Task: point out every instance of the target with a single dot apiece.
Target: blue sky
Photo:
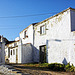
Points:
(11, 27)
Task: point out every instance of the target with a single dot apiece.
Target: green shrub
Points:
(61, 67)
(44, 65)
(69, 67)
(56, 67)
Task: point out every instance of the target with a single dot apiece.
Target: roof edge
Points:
(10, 42)
(28, 27)
(55, 15)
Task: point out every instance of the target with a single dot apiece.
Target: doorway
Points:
(43, 54)
(16, 55)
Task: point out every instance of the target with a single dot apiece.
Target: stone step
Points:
(9, 70)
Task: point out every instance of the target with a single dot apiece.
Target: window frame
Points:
(13, 51)
(25, 33)
(41, 30)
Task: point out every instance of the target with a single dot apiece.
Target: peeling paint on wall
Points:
(60, 18)
(47, 22)
(56, 20)
(35, 28)
(51, 25)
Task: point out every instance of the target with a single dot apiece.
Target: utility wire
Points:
(29, 15)
(25, 16)
(9, 28)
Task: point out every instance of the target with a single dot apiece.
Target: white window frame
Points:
(43, 29)
(13, 51)
(25, 33)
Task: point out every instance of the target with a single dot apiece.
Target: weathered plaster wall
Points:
(59, 47)
(11, 47)
(29, 39)
(20, 52)
(6, 52)
(72, 51)
(58, 32)
(27, 53)
(59, 40)
(24, 53)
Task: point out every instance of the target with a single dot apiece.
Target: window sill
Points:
(42, 34)
(25, 38)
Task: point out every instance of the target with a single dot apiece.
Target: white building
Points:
(52, 40)
(27, 35)
(55, 38)
(21, 50)
(2, 51)
(11, 50)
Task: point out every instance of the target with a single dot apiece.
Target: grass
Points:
(53, 66)
(37, 65)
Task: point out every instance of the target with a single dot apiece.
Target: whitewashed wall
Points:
(59, 38)
(29, 34)
(27, 53)
(6, 52)
(11, 46)
(20, 52)
(72, 51)
(26, 48)
(24, 53)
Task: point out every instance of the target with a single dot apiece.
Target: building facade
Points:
(11, 50)
(16, 52)
(52, 40)
(55, 38)
(21, 50)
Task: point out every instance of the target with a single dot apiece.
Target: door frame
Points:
(16, 55)
(44, 61)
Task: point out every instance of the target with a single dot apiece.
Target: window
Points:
(25, 33)
(43, 29)
(8, 52)
(15, 44)
(16, 51)
(13, 52)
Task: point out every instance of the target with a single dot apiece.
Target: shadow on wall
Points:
(35, 54)
(64, 61)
